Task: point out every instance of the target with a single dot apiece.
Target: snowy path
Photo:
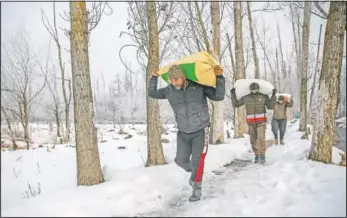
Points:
(211, 189)
(287, 185)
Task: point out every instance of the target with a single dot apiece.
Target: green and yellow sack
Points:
(198, 67)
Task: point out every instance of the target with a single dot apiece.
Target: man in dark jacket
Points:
(255, 103)
(189, 103)
(279, 118)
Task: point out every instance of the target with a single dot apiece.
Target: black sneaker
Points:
(196, 195)
(262, 159)
(257, 158)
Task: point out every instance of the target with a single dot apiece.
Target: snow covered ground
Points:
(288, 185)
(341, 122)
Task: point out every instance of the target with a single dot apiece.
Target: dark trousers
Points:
(280, 125)
(191, 152)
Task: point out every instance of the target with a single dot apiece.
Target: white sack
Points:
(289, 96)
(242, 87)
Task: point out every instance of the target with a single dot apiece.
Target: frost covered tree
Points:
(87, 153)
(329, 84)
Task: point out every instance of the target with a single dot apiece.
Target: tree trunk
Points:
(56, 112)
(231, 54)
(283, 67)
(305, 54)
(254, 48)
(233, 70)
(203, 29)
(87, 153)
(315, 74)
(240, 113)
(26, 123)
(329, 83)
(278, 73)
(217, 121)
(57, 120)
(155, 154)
(62, 72)
(192, 25)
(264, 52)
(9, 125)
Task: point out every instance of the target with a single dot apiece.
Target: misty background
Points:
(110, 78)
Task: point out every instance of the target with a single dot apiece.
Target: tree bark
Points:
(9, 126)
(191, 15)
(231, 54)
(254, 48)
(87, 153)
(26, 122)
(278, 73)
(155, 154)
(315, 73)
(217, 121)
(329, 83)
(233, 69)
(305, 54)
(67, 100)
(203, 29)
(240, 113)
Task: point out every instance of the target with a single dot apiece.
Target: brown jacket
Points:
(256, 105)
(280, 110)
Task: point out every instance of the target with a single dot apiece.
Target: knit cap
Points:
(175, 71)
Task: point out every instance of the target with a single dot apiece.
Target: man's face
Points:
(178, 82)
(281, 102)
(254, 91)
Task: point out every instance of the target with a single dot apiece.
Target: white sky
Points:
(105, 41)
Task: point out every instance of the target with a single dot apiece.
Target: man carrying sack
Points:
(189, 103)
(255, 103)
(279, 118)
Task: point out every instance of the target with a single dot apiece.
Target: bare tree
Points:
(305, 47)
(281, 71)
(217, 118)
(317, 10)
(254, 48)
(55, 107)
(231, 54)
(94, 15)
(53, 31)
(138, 29)
(278, 72)
(233, 71)
(263, 45)
(203, 28)
(17, 75)
(329, 84)
(315, 74)
(9, 126)
(155, 154)
(240, 113)
(87, 153)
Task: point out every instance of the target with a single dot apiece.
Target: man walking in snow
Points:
(279, 118)
(189, 103)
(255, 103)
